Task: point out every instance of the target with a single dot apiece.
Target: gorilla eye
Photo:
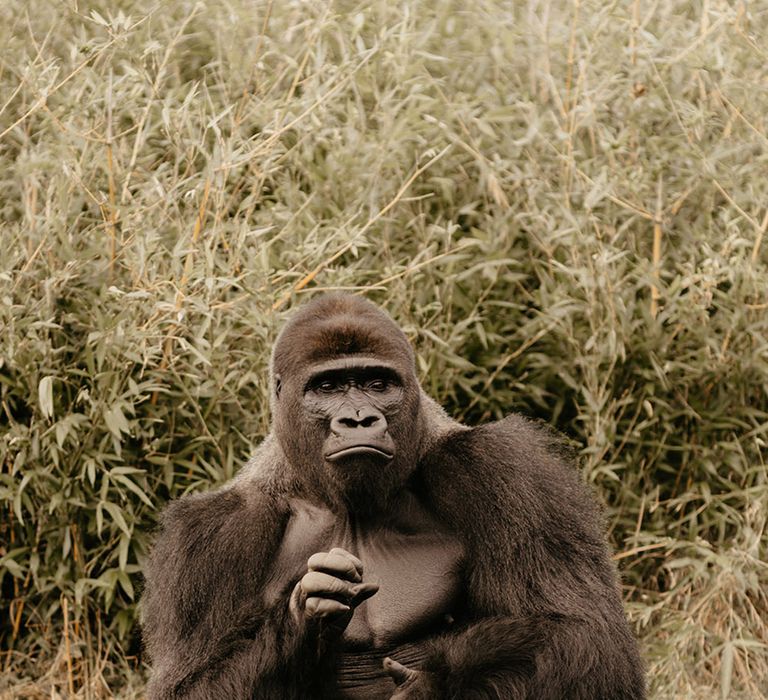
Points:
(326, 387)
(377, 385)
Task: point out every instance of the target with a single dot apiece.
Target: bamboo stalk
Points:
(570, 105)
(67, 647)
(111, 217)
(657, 235)
(634, 26)
(759, 238)
(571, 57)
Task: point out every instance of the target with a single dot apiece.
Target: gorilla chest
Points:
(417, 564)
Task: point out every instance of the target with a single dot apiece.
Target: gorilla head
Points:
(346, 402)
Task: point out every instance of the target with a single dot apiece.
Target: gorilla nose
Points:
(357, 433)
(359, 423)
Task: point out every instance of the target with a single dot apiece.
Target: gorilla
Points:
(375, 548)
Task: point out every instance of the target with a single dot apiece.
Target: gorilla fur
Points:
(541, 618)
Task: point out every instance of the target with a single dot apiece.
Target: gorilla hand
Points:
(331, 589)
(411, 684)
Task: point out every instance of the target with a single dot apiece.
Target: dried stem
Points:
(67, 646)
(657, 233)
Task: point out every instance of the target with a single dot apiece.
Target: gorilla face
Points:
(346, 403)
(355, 398)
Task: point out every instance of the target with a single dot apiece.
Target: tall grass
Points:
(563, 204)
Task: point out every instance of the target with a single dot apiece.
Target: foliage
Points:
(563, 203)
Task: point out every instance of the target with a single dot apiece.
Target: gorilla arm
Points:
(207, 630)
(542, 590)
(200, 614)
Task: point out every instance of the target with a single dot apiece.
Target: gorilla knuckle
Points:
(317, 607)
(318, 560)
(318, 582)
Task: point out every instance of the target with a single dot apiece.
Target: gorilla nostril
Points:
(343, 424)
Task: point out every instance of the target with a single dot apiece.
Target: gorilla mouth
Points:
(359, 451)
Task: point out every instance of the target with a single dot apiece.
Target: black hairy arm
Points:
(206, 627)
(546, 618)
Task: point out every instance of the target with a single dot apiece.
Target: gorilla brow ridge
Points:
(339, 324)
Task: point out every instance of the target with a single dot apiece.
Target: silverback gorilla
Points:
(375, 548)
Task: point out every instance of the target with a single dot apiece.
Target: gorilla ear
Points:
(278, 385)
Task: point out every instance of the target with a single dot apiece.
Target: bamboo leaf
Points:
(45, 396)
(117, 516)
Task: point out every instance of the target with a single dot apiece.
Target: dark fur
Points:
(547, 620)
(334, 326)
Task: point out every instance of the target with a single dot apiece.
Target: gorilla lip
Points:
(359, 451)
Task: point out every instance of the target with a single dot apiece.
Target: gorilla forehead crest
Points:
(338, 325)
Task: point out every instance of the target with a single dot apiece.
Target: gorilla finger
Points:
(334, 564)
(363, 591)
(344, 553)
(324, 607)
(399, 673)
(317, 583)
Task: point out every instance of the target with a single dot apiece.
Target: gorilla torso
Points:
(418, 565)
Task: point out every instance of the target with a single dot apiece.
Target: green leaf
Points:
(117, 516)
(133, 487)
(126, 584)
(45, 396)
(17, 499)
(116, 421)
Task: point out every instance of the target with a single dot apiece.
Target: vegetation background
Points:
(564, 204)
